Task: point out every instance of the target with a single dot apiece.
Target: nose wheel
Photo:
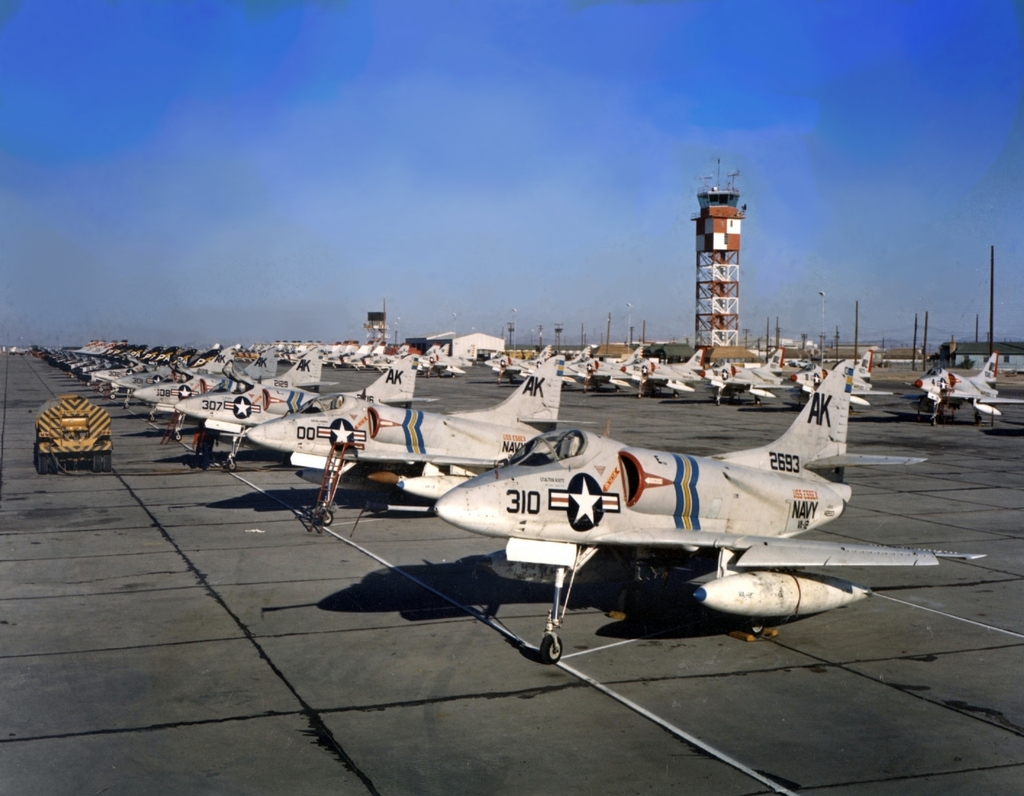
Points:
(550, 649)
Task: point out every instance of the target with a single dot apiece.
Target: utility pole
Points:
(821, 351)
(583, 337)
(991, 294)
(976, 316)
(836, 346)
(924, 346)
(608, 334)
(777, 340)
(643, 332)
(558, 336)
(540, 336)
(913, 349)
(856, 329)
(746, 334)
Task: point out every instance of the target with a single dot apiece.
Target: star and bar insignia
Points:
(583, 502)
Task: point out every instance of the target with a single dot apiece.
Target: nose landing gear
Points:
(551, 645)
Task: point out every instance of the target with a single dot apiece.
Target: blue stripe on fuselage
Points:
(413, 431)
(687, 513)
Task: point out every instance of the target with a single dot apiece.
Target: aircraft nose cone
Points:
(919, 384)
(452, 507)
(793, 377)
(700, 595)
(257, 435)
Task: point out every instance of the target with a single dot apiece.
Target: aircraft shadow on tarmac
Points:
(662, 608)
(304, 498)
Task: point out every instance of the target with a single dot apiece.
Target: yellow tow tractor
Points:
(72, 434)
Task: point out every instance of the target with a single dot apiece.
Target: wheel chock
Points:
(616, 615)
(770, 632)
(739, 634)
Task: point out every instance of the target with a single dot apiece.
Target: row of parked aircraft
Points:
(571, 505)
(942, 391)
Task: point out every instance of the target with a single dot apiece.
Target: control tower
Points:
(718, 264)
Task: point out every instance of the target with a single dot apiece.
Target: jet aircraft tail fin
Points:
(696, 362)
(535, 402)
(396, 385)
(778, 358)
(306, 371)
(819, 431)
(262, 368)
(991, 369)
(863, 370)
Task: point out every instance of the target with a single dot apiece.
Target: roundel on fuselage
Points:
(585, 509)
(242, 407)
(341, 430)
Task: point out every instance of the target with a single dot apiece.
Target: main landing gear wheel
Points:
(177, 436)
(321, 517)
(550, 649)
(230, 464)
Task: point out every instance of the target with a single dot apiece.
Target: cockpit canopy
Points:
(325, 403)
(554, 446)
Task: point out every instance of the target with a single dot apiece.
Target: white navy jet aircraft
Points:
(810, 378)
(569, 494)
(422, 453)
(232, 414)
(945, 390)
(732, 381)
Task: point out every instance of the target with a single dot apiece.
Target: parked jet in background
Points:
(945, 390)
(422, 453)
(732, 381)
(569, 494)
(504, 365)
(230, 414)
(808, 380)
(651, 377)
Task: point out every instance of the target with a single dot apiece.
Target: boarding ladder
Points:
(173, 430)
(321, 516)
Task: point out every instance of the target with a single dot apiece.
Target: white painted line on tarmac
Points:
(679, 733)
(494, 625)
(951, 616)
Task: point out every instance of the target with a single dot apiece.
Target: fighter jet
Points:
(422, 453)
(233, 414)
(567, 495)
(945, 390)
(248, 404)
(651, 377)
(594, 373)
(810, 378)
(732, 381)
(437, 362)
(163, 396)
(504, 365)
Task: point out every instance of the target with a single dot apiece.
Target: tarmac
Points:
(169, 630)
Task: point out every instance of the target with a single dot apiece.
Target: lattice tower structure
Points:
(718, 266)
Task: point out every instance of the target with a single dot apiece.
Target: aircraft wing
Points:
(858, 460)
(996, 400)
(459, 461)
(772, 551)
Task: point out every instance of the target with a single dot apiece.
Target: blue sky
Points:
(209, 170)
